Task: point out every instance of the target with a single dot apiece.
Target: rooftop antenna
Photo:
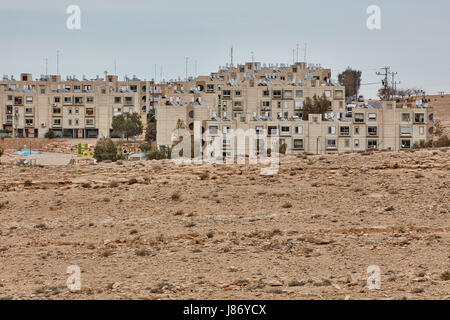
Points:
(231, 56)
(155, 73)
(196, 68)
(187, 60)
(297, 52)
(57, 62)
(304, 56)
(293, 59)
(115, 67)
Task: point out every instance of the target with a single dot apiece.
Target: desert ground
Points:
(157, 230)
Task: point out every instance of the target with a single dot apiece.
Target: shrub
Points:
(105, 149)
(50, 134)
(159, 154)
(443, 141)
(282, 148)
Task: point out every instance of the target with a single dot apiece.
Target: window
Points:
(298, 105)
(89, 122)
(266, 93)
(29, 122)
(90, 99)
(372, 144)
(266, 104)
(89, 111)
(213, 130)
(226, 129)
(285, 130)
(276, 93)
(344, 131)
(341, 104)
(406, 117)
(78, 100)
(299, 130)
(389, 106)
(28, 110)
(372, 131)
(29, 99)
(238, 103)
(327, 93)
(70, 110)
(288, 93)
(315, 119)
(57, 99)
(356, 130)
(76, 87)
(421, 130)
(405, 130)
(117, 99)
(359, 117)
(18, 100)
(405, 144)
(209, 88)
(128, 100)
(298, 144)
(77, 110)
(356, 141)
(331, 143)
(259, 129)
(272, 130)
(191, 114)
(419, 117)
(279, 104)
(226, 93)
(237, 93)
(68, 100)
(117, 111)
(331, 130)
(70, 122)
(77, 122)
(57, 122)
(339, 94)
(347, 143)
(56, 110)
(372, 116)
(42, 91)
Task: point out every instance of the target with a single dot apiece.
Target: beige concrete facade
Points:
(71, 108)
(270, 101)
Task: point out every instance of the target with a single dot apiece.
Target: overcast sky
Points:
(139, 34)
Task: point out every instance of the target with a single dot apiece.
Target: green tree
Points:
(351, 80)
(150, 131)
(127, 125)
(316, 105)
(105, 149)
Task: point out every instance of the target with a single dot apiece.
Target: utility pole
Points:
(394, 84)
(385, 82)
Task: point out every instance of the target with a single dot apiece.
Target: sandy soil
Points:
(154, 230)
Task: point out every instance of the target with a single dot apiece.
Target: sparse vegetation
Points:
(105, 149)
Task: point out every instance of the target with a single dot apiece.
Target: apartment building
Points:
(71, 108)
(269, 99)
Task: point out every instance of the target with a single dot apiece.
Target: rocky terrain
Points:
(156, 230)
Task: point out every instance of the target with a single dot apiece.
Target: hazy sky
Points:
(413, 40)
